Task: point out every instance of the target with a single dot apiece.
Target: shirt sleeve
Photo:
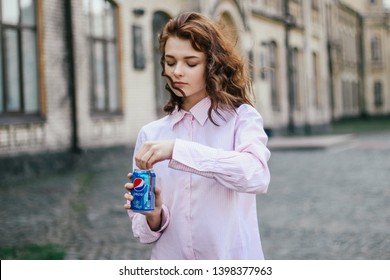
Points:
(244, 169)
(140, 226)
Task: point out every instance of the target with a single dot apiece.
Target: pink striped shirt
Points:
(209, 186)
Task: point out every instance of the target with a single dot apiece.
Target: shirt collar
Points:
(199, 111)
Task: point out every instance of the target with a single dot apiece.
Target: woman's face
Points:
(185, 68)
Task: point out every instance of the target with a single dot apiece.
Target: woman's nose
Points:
(178, 71)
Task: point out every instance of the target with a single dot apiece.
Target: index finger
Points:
(128, 186)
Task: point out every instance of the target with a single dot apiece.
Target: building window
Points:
(138, 48)
(355, 96)
(378, 98)
(347, 97)
(295, 79)
(274, 71)
(376, 49)
(159, 21)
(19, 90)
(102, 34)
(350, 96)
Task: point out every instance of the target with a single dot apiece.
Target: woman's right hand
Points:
(153, 217)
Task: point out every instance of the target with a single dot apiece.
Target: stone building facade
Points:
(83, 74)
(358, 45)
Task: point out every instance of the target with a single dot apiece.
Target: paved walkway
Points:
(330, 202)
(308, 143)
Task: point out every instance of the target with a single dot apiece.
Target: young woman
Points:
(209, 153)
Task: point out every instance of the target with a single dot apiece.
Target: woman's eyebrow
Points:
(186, 57)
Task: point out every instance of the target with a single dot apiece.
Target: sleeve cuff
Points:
(142, 230)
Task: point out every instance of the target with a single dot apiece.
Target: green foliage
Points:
(32, 252)
(361, 125)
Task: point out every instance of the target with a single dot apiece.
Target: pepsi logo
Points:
(139, 184)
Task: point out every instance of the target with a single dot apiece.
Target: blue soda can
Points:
(143, 192)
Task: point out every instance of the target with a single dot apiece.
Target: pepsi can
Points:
(144, 182)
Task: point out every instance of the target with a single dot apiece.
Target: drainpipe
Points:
(289, 22)
(362, 68)
(74, 146)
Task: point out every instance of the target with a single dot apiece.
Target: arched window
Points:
(102, 18)
(19, 87)
(159, 21)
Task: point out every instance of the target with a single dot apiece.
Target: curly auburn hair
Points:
(227, 81)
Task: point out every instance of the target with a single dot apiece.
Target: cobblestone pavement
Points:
(328, 203)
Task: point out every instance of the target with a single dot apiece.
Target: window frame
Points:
(274, 75)
(20, 115)
(376, 50)
(159, 19)
(93, 40)
(378, 94)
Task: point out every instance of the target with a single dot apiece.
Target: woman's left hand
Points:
(152, 152)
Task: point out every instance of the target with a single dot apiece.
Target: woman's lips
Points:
(178, 84)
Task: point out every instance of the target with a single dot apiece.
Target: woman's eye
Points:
(170, 64)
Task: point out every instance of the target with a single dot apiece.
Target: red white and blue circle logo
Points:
(139, 184)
